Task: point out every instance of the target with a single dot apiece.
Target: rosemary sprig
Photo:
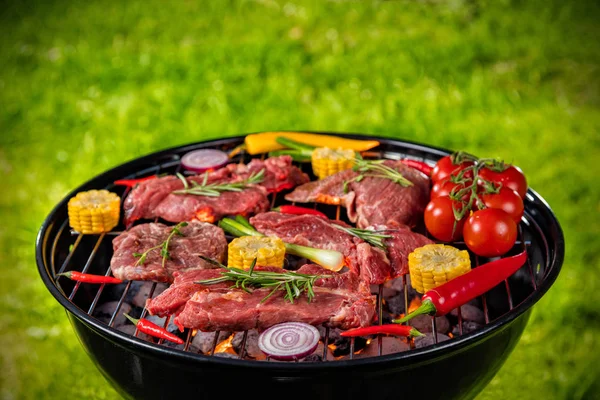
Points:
(293, 283)
(374, 238)
(215, 189)
(164, 246)
(375, 169)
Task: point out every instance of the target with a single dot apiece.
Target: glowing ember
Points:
(414, 304)
(225, 346)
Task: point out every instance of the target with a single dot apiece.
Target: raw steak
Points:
(342, 301)
(369, 262)
(199, 238)
(372, 200)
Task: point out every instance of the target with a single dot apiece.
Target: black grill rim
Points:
(407, 359)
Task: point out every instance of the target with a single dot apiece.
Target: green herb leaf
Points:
(215, 189)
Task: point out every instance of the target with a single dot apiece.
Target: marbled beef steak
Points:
(369, 262)
(340, 301)
(199, 238)
(155, 198)
(371, 201)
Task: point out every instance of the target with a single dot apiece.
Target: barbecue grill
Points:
(141, 367)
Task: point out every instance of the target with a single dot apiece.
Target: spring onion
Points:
(329, 259)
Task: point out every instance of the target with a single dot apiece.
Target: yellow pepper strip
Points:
(94, 211)
(264, 142)
(326, 161)
(268, 251)
(434, 264)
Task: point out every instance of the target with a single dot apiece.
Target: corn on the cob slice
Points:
(94, 211)
(327, 161)
(268, 251)
(434, 264)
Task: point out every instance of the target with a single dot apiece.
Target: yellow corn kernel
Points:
(435, 264)
(268, 251)
(327, 161)
(94, 211)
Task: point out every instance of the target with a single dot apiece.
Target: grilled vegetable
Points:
(289, 209)
(387, 329)
(154, 330)
(204, 160)
(293, 283)
(267, 141)
(329, 259)
(327, 161)
(435, 264)
(268, 251)
(133, 182)
(89, 278)
(289, 341)
(94, 211)
(464, 288)
(418, 165)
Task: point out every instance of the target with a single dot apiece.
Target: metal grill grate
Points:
(89, 247)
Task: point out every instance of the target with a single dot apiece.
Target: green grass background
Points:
(85, 86)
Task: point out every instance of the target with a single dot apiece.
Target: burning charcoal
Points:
(467, 327)
(341, 346)
(203, 341)
(139, 292)
(397, 284)
(389, 345)
(469, 312)
(427, 340)
(105, 311)
(314, 357)
(423, 324)
(396, 304)
(251, 346)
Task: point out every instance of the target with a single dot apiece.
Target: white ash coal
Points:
(203, 342)
(389, 345)
(428, 339)
(251, 345)
(105, 311)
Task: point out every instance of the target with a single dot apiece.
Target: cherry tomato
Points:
(440, 221)
(490, 232)
(507, 200)
(444, 167)
(511, 177)
(445, 187)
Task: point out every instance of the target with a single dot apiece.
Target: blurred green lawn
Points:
(85, 86)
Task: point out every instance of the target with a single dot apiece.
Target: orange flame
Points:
(225, 346)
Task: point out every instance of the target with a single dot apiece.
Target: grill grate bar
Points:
(176, 164)
(69, 256)
(87, 265)
(54, 245)
(111, 323)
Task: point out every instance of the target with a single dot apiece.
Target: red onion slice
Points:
(204, 159)
(289, 340)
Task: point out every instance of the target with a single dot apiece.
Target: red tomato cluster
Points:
(479, 201)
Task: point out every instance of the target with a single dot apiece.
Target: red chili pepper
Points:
(418, 165)
(152, 329)
(389, 329)
(464, 288)
(289, 209)
(89, 278)
(133, 182)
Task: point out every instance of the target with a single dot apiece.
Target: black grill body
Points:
(455, 369)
